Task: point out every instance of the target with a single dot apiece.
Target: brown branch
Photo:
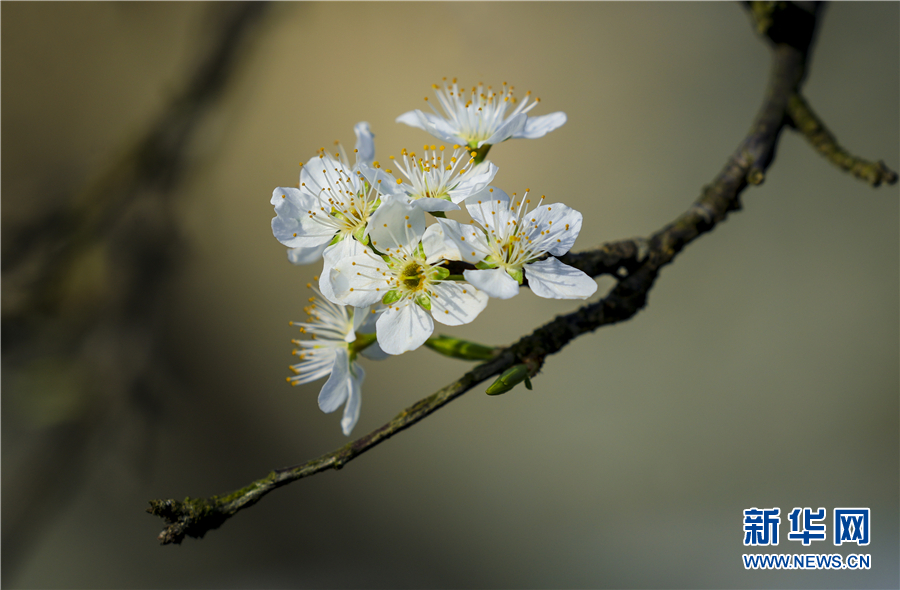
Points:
(101, 332)
(813, 129)
(635, 262)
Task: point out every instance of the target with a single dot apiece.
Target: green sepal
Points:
(424, 301)
(484, 265)
(337, 238)
(362, 342)
(509, 379)
(391, 297)
(441, 214)
(516, 273)
(480, 153)
(361, 237)
(439, 273)
(460, 349)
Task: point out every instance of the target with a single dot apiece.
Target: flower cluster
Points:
(386, 270)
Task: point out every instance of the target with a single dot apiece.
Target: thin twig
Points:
(815, 132)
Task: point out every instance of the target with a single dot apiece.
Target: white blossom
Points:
(408, 279)
(484, 117)
(327, 215)
(330, 353)
(434, 181)
(507, 243)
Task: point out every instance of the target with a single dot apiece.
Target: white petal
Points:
(306, 254)
(454, 304)
(285, 195)
(466, 240)
(540, 126)
(384, 182)
(473, 182)
(496, 282)
(436, 246)
(484, 207)
(552, 279)
(373, 352)
(433, 124)
(344, 249)
(337, 388)
(365, 143)
(396, 224)
(441, 128)
(360, 316)
(326, 172)
(411, 118)
(354, 398)
(561, 225)
(358, 280)
(507, 129)
(403, 326)
(367, 320)
(429, 204)
(290, 224)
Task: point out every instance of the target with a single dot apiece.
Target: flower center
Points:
(411, 276)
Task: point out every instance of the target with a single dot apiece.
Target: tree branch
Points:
(156, 161)
(813, 129)
(635, 262)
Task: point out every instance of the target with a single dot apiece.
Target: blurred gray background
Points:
(146, 337)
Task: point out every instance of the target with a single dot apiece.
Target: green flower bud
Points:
(460, 349)
(509, 379)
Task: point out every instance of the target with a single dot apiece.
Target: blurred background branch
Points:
(82, 285)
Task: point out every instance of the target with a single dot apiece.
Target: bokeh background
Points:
(146, 303)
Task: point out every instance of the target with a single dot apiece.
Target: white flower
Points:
(510, 243)
(408, 279)
(327, 216)
(330, 352)
(482, 118)
(435, 182)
